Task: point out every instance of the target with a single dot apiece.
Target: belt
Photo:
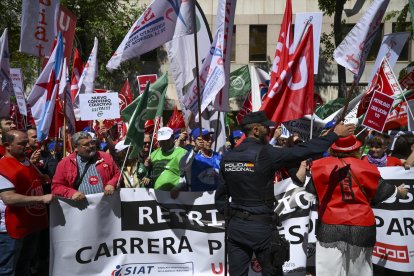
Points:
(267, 219)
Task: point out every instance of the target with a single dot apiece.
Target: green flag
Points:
(135, 134)
(330, 107)
(126, 113)
(156, 97)
(240, 83)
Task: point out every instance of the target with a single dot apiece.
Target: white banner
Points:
(17, 80)
(395, 224)
(391, 47)
(300, 24)
(145, 232)
(161, 22)
(38, 26)
(99, 106)
(354, 49)
(6, 85)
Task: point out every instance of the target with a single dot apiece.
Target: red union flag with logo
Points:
(292, 95)
(143, 79)
(384, 81)
(283, 45)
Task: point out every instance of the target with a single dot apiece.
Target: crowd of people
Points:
(258, 155)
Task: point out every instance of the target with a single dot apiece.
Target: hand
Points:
(199, 144)
(402, 191)
(35, 156)
(109, 190)
(181, 139)
(147, 162)
(278, 132)
(174, 192)
(78, 196)
(343, 130)
(146, 181)
(406, 165)
(46, 199)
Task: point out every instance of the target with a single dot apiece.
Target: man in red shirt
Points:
(22, 206)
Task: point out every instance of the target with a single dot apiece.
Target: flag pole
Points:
(196, 64)
(348, 99)
(153, 133)
(217, 128)
(122, 168)
(64, 121)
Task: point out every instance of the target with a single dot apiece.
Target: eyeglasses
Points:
(89, 145)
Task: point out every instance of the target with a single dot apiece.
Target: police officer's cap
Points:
(258, 117)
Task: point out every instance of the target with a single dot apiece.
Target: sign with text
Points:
(17, 80)
(378, 111)
(100, 106)
(143, 79)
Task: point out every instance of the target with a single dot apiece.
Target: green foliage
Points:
(108, 20)
(401, 17)
(327, 6)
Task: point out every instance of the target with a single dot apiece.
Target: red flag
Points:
(246, 109)
(292, 95)
(125, 96)
(284, 42)
(177, 120)
(398, 117)
(407, 82)
(384, 82)
(77, 70)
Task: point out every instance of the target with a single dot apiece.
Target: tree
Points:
(335, 7)
(108, 20)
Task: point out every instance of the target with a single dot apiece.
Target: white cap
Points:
(164, 133)
(93, 135)
(120, 146)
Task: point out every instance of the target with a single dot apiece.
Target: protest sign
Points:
(17, 80)
(378, 111)
(99, 106)
(143, 79)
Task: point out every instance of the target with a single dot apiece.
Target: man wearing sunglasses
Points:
(86, 171)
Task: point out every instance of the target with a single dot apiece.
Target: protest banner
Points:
(144, 231)
(66, 24)
(99, 106)
(378, 111)
(17, 80)
(303, 127)
(395, 224)
(143, 79)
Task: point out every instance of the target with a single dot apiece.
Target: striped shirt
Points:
(91, 182)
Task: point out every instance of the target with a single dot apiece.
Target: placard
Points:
(99, 106)
(378, 110)
(143, 79)
(17, 80)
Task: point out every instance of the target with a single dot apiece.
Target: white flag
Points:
(181, 55)
(17, 80)
(212, 73)
(87, 80)
(354, 49)
(391, 47)
(161, 22)
(6, 85)
(260, 84)
(39, 27)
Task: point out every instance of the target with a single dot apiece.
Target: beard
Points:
(88, 155)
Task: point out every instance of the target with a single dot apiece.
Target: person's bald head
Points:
(15, 142)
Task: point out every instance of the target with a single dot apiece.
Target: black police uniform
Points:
(246, 175)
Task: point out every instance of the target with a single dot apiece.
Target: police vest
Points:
(23, 220)
(246, 185)
(341, 201)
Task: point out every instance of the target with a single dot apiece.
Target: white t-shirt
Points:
(5, 185)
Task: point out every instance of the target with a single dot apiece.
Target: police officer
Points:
(246, 176)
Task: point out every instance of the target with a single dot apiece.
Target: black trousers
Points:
(246, 237)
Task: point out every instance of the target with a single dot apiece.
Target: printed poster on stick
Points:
(99, 106)
(378, 110)
(143, 79)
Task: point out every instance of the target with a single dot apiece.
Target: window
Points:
(404, 52)
(258, 43)
(233, 45)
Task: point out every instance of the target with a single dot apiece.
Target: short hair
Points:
(4, 118)
(247, 129)
(9, 136)
(78, 136)
(356, 153)
(382, 140)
